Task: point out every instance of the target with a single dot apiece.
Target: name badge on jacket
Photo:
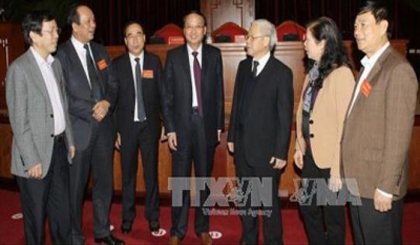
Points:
(148, 74)
(102, 64)
(366, 88)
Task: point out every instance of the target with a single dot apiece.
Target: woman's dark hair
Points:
(33, 22)
(335, 54)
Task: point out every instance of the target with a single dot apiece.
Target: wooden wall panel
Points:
(218, 12)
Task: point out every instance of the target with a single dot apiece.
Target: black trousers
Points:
(140, 137)
(373, 227)
(272, 221)
(48, 197)
(192, 146)
(98, 156)
(325, 224)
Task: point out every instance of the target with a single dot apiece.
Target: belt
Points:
(195, 110)
(59, 138)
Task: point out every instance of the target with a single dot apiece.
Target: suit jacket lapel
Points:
(185, 63)
(128, 74)
(36, 71)
(370, 78)
(204, 68)
(58, 80)
(76, 60)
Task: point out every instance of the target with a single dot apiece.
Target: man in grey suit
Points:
(41, 130)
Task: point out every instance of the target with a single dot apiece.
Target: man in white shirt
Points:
(138, 117)
(259, 129)
(193, 110)
(92, 92)
(377, 131)
(42, 136)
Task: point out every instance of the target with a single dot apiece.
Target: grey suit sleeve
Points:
(17, 102)
(69, 129)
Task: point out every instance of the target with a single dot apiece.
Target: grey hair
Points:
(267, 28)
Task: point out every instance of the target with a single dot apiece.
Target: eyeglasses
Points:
(254, 37)
(56, 30)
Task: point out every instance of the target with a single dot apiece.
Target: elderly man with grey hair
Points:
(259, 132)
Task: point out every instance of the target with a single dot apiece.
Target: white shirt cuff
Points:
(384, 193)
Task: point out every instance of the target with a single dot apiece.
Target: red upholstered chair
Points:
(228, 31)
(171, 34)
(290, 31)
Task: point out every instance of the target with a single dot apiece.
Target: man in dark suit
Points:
(138, 122)
(41, 129)
(260, 126)
(377, 131)
(92, 92)
(194, 117)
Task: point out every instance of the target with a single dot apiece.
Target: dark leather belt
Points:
(195, 110)
(59, 138)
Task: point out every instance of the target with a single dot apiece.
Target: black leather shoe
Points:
(109, 240)
(154, 225)
(126, 227)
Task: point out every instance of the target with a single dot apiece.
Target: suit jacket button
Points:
(52, 116)
(52, 135)
(311, 121)
(311, 135)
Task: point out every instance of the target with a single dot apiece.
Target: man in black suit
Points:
(92, 92)
(260, 126)
(138, 122)
(194, 117)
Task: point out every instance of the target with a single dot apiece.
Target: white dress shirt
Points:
(133, 69)
(81, 52)
(53, 92)
(191, 61)
(261, 62)
(368, 64)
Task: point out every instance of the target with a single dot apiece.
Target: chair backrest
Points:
(170, 33)
(290, 31)
(227, 32)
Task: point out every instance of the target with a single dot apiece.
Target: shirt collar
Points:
(77, 44)
(366, 61)
(262, 61)
(132, 57)
(199, 50)
(40, 60)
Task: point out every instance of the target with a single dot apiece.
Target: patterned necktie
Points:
(141, 113)
(197, 78)
(95, 85)
(254, 69)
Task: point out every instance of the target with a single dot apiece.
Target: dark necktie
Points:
(93, 76)
(254, 69)
(141, 113)
(197, 78)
